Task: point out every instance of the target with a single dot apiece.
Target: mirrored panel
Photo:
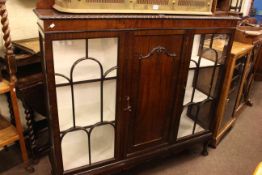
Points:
(203, 83)
(86, 74)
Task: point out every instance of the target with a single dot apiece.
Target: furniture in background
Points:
(123, 89)
(8, 132)
(229, 7)
(250, 32)
(236, 74)
(250, 35)
(30, 90)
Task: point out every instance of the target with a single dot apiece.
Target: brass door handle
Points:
(129, 107)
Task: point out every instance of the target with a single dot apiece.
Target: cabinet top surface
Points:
(50, 14)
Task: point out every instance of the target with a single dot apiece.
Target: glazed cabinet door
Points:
(153, 66)
(85, 80)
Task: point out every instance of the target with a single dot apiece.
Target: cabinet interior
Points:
(203, 82)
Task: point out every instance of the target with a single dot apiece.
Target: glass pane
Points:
(109, 100)
(75, 150)
(203, 82)
(234, 90)
(187, 124)
(64, 106)
(105, 50)
(102, 143)
(65, 53)
(86, 98)
(198, 95)
(87, 102)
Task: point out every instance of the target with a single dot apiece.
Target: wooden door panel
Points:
(155, 62)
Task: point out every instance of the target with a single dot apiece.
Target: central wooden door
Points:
(153, 66)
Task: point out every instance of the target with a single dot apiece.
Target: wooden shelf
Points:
(198, 97)
(8, 133)
(186, 125)
(203, 63)
(4, 87)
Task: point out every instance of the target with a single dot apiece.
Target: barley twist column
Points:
(10, 58)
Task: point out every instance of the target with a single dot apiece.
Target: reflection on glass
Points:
(86, 73)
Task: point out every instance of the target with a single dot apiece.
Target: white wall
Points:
(22, 19)
(246, 7)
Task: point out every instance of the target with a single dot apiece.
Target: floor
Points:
(237, 154)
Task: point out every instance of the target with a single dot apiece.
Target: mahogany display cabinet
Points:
(124, 89)
(249, 36)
